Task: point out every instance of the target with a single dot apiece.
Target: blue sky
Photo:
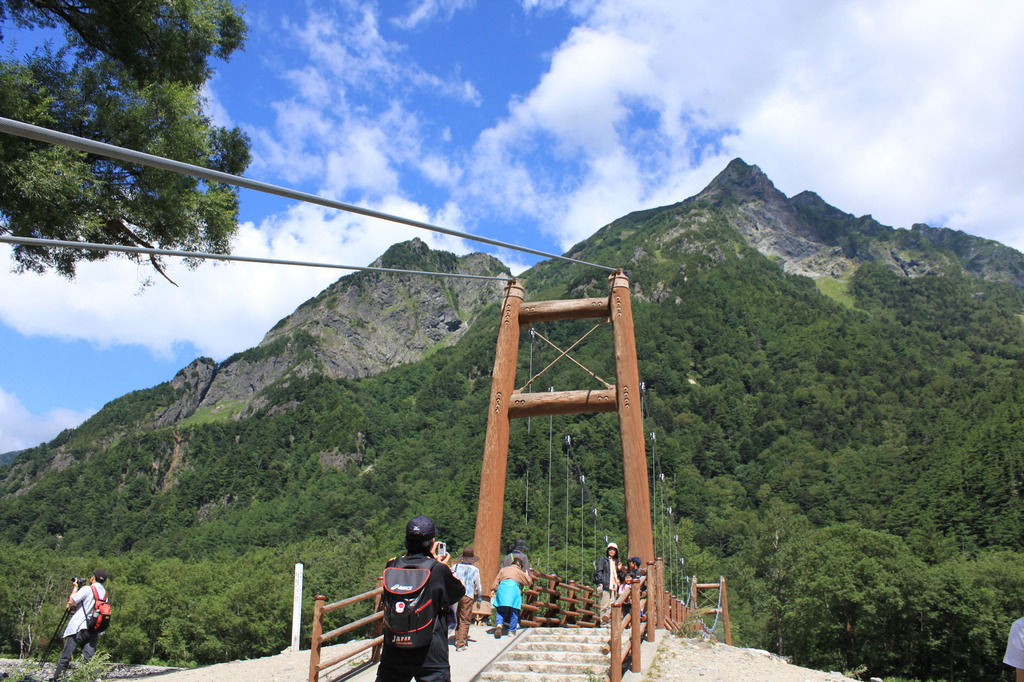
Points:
(534, 122)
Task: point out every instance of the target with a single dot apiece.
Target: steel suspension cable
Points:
(40, 134)
(33, 241)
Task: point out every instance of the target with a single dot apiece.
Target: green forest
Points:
(847, 451)
(851, 463)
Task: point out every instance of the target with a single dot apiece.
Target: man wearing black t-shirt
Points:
(427, 663)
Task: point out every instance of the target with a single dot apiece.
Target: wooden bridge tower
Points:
(507, 403)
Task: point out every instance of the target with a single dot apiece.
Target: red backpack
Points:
(99, 619)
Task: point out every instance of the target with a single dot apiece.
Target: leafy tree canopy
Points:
(132, 77)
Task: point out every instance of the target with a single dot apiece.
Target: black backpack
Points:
(98, 619)
(410, 614)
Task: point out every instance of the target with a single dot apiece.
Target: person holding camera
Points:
(77, 633)
(400, 662)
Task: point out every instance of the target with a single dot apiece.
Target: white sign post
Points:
(297, 608)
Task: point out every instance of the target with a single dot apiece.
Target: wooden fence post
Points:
(318, 631)
(653, 601)
(616, 652)
(662, 595)
(636, 627)
(378, 627)
(725, 612)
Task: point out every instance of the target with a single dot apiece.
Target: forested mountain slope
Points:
(851, 461)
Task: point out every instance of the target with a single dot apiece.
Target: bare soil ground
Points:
(677, 660)
(685, 660)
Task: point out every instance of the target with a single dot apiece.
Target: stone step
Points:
(584, 647)
(547, 667)
(534, 677)
(576, 636)
(573, 658)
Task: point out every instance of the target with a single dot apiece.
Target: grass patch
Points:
(836, 289)
(220, 412)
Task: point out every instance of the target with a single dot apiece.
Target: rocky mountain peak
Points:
(362, 324)
(742, 180)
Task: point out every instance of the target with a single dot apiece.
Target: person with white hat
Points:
(607, 576)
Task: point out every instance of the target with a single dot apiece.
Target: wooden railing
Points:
(646, 603)
(316, 666)
(640, 611)
(553, 603)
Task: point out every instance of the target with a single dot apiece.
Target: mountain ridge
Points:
(845, 450)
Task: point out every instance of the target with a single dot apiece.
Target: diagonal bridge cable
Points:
(41, 134)
(33, 241)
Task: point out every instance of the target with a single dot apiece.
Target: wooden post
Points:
(378, 627)
(662, 595)
(636, 632)
(725, 612)
(653, 600)
(631, 425)
(318, 631)
(491, 507)
(616, 643)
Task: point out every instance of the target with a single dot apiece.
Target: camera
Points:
(79, 582)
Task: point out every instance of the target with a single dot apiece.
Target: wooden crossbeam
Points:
(561, 402)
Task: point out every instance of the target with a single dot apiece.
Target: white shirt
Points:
(86, 602)
(1015, 646)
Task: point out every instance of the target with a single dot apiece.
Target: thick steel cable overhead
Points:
(41, 134)
(49, 243)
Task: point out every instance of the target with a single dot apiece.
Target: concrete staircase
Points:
(552, 655)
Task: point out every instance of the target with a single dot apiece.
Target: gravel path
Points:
(685, 660)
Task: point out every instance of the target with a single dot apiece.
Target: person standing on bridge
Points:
(467, 572)
(428, 663)
(608, 576)
(507, 596)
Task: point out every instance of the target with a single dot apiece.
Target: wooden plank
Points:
(543, 404)
(575, 309)
(352, 600)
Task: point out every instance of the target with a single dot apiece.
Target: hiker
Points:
(632, 574)
(507, 597)
(608, 577)
(77, 633)
(517, 550)
(402, 659)
(1015, 649)
(467, 572)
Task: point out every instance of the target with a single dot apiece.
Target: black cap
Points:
(420, 525)
(100, 575)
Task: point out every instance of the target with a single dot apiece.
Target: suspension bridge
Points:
(567, 608)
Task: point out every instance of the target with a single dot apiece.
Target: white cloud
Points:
(425, 11)
(220, 307)
(907, 110)
(20, 429)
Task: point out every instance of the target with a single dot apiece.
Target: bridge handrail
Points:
(651, 608)
(320, 607)
(579, 610)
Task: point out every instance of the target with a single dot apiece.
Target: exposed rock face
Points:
(363, 324)
(192, 384)
(366, 323)
(810, 237)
